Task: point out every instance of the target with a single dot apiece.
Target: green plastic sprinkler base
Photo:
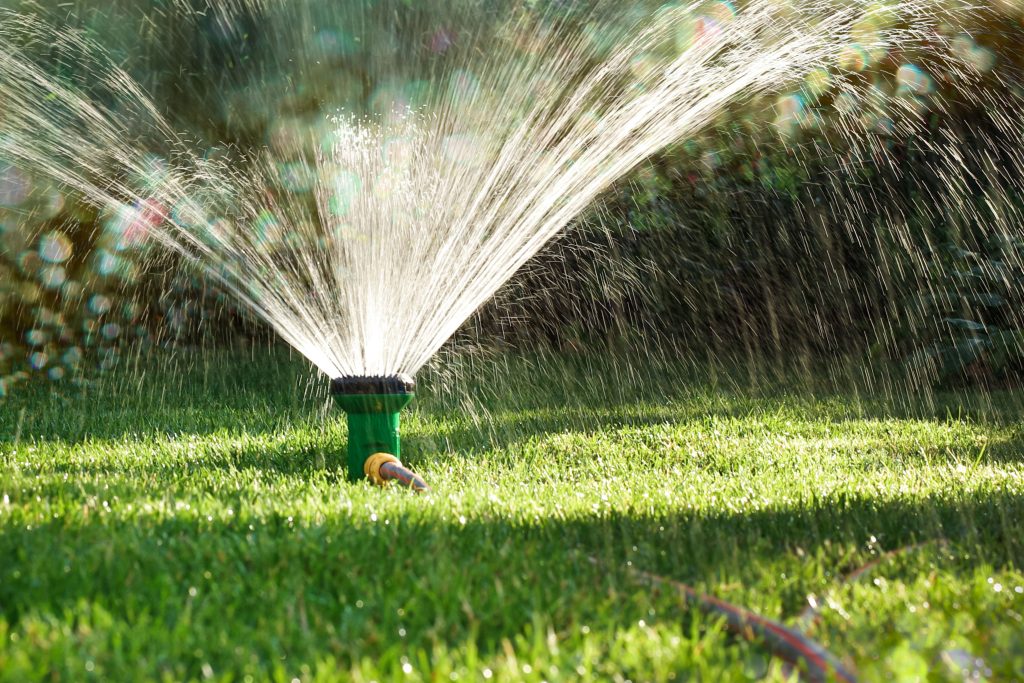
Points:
(373, 405)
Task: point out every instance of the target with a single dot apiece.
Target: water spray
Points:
(373, 405)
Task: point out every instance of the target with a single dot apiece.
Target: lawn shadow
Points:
(172, 395)
(356, 583)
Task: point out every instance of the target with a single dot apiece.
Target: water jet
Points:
(373, 405)
(413, 218)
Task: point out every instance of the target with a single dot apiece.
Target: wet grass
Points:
(192, 522)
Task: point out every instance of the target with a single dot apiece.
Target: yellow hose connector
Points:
(371, 468)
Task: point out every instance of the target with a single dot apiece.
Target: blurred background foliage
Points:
(874, 214)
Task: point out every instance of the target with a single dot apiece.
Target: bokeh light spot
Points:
(38, 360)
(52, 277)
(99, 304)
(55, 247)
(15, 185)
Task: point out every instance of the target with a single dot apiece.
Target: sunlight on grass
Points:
(142, 553)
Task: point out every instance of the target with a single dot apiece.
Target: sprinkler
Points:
(373, 405)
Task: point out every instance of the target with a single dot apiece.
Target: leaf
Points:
(907, 664)
(964, 324)
(937, 299)
(988, 299)
(957, 357)
(957, 252)
(1007, 349)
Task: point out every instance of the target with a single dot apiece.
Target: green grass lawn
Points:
(191, 521)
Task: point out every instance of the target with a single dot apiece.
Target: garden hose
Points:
(793, 645)
(380, 468)
(810, 616)
(812, 661)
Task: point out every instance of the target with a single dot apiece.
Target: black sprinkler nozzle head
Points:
(376, 385)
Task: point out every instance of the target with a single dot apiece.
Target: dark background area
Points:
(891, 232)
